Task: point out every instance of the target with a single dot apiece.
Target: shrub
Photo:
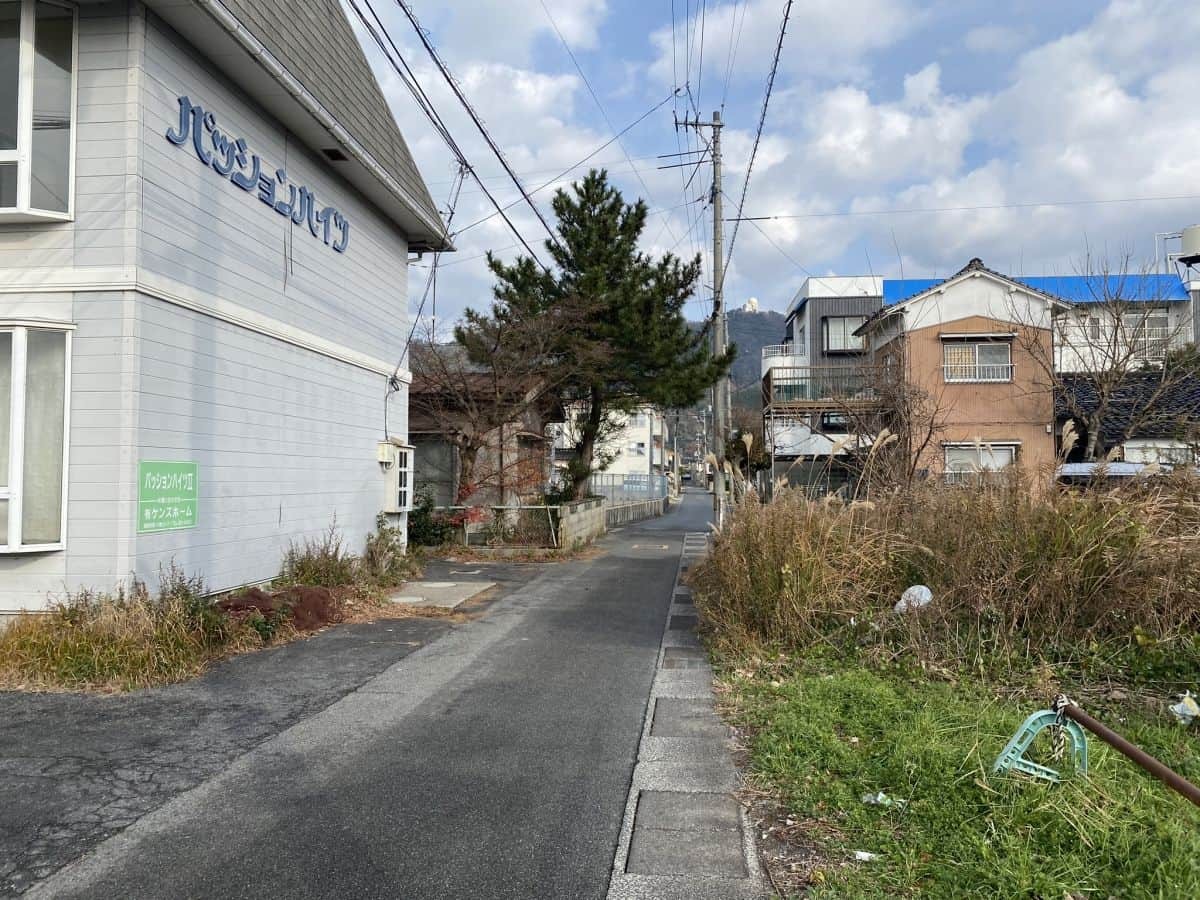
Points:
(1100, 579)
(385, 561)
(426, 528)
(322, 561)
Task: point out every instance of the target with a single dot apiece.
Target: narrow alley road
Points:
(494, 762)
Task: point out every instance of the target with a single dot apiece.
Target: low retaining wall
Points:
(624, 513)
(581, 522)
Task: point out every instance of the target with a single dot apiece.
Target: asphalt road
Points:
(493, 762)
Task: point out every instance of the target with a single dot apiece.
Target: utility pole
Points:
(721, 392)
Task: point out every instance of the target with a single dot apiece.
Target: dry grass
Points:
(1100, 580)
(131, 638)
(134, 637)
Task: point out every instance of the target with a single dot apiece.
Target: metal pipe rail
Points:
(1168, 776)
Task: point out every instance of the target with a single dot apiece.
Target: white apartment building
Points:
(206, 216)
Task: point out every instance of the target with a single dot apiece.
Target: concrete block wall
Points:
(625, 513)
(581, 522)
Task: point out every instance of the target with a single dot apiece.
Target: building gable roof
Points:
(321, 86)
(972, 269)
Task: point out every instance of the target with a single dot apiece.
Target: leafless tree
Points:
(1113, 364)
(486, 391)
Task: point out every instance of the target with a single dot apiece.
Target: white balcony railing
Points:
(970, 372)
(782, 350)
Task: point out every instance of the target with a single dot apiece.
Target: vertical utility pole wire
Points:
(466, 104)
(409, 79)
(762, 118)
(393, 384)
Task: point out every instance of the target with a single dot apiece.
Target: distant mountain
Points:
(750, 331)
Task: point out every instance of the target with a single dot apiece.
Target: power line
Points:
(762, 118)
(980, 207)
(734, 43)
(603, 112)
(410, 81)
(466, 104)
(572, 168)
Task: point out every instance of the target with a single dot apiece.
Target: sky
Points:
(902, 138)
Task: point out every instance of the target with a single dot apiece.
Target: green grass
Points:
(964, 832)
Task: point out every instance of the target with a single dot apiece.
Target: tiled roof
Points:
(1141, 407)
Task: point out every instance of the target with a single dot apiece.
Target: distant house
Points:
(812, 374)
(514, 462)
(636, 445)
(998, 356)
(1148, 420)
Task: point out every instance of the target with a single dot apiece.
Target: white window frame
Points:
(402, 496)
(23, 154)
(977, 372)
(16, 451)
(989, 447)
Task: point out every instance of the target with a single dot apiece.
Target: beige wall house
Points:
(975, 347)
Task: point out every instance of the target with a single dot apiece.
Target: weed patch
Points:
(822, 741)
(131, 638)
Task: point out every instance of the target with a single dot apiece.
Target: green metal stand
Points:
(1013, 755)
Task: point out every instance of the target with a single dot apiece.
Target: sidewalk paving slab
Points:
(685, 835)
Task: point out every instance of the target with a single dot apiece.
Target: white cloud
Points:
(505, 30)
(996, 39)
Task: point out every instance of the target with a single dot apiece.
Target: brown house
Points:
(970, 351)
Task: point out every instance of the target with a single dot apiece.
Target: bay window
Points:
(37, 109)
(34, 393)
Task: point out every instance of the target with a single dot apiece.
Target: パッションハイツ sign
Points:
(231, 158)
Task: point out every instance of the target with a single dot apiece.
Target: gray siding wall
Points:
(100, 500)
(819, 308)
(211, 236)
(284, 435)
(284, 441)
(103, 233)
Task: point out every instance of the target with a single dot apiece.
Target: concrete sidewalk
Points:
(684, 835)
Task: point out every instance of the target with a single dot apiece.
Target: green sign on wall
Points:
(167, 496)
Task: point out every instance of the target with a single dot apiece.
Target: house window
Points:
(636, 448)
(37, 109)
(404, 478)
(839, 333)
(977, 362)
(833, 423)
(34, 391)
(965, 462)
(1148, 332)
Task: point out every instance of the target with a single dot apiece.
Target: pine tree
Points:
(632, 345)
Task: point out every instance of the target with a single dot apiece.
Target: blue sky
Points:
(1031, 110)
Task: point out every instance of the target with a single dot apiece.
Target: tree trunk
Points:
(468, 453)
(1093, 449)
(587, 446)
